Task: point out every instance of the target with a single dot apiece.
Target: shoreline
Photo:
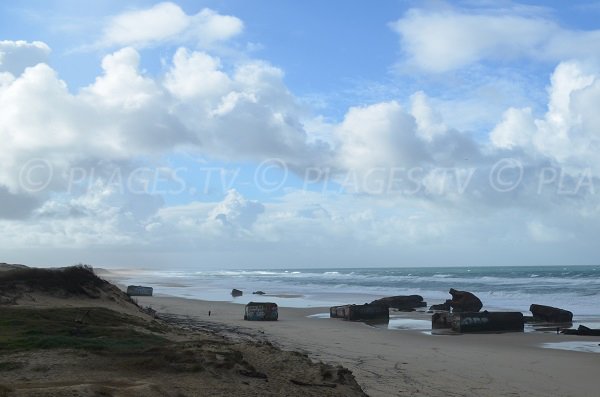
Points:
(388, 362)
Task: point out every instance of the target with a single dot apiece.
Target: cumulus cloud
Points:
(249, 114)
(196, 74)
(121, 85)
(245, 114)
(515, 129)
(167, 22)
(122, 114)
(15, 56)
(234, 218)
(235, 210)
(429, 120)
(443, 40)
(378, 135)
(567, 134)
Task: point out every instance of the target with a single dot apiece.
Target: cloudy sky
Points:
(236, 134)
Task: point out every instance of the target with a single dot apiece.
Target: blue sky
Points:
(272, 132)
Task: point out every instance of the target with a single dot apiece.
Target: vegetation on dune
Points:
(96, 329)
(76, 280)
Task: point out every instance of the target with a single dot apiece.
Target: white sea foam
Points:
(588, 347)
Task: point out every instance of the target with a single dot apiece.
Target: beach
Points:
(68, 331)
(388, 362)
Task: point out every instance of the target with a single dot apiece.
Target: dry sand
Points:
(411, 363)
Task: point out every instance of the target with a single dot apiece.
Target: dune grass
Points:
(94, 329)
(75, 280)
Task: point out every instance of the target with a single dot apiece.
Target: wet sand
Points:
(409, 362)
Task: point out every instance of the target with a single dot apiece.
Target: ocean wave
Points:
(575, 289)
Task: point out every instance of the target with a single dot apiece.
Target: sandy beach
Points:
(412, 363)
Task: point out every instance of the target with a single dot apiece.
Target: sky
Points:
(281, 134)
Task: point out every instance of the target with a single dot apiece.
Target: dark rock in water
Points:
(401, 302)
(441, 320)
(550, 314)
(258, 293)
(582, 330)
(488, 322)
(236, 292)
(464, 301)
(442, 307)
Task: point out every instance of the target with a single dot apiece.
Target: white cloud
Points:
(207, 223)
(121, 85)
(196, 74)
(121, 115)
(101, 217)
(429, 121)
(439, 41)
(209, 27)
(294, 221)
(380, 135)
(248, 114)
(236, 211)
(15, 56)
(567, 134)
(167, 22)
(515, 130)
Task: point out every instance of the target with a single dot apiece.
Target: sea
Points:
(514, 288)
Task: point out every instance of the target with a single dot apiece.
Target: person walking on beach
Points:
(209, 313)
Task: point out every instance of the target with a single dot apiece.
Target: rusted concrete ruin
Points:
(261, 311)
(359, 312)
(479, 321)
(138, 290)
